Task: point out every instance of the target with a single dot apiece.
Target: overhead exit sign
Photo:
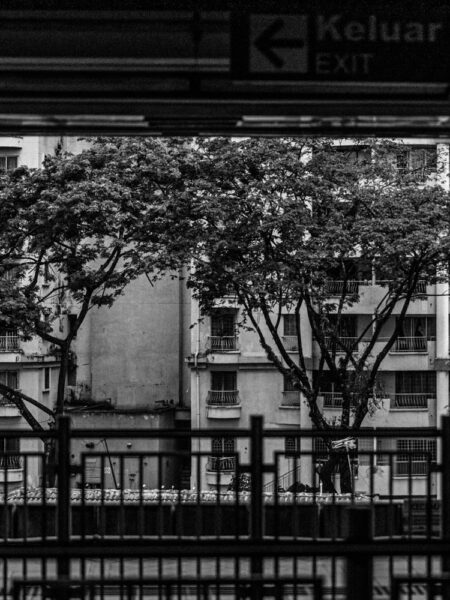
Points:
(389, 45)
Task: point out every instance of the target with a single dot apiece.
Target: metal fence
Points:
(92, 528)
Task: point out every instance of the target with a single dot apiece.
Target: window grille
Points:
(419, 161)
(223, 324)
(289, 325)
(414, 457)
(292, 446)
(223, 446)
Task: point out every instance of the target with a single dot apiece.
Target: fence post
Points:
(63, 498)
(257, 507)
(359, 574)
(445, 486)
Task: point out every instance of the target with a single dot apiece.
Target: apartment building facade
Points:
(232, 378)
(127, 367)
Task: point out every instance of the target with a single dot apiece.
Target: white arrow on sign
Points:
(278, 43)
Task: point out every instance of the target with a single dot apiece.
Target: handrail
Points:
(223, 343)
(221, 463)
(280, 482)
(9, 343)
(223, 397)
(411, 344)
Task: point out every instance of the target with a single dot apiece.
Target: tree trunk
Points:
(326, 470)
(63, 368)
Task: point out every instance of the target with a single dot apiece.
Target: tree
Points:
(283, 225)
(77, 231)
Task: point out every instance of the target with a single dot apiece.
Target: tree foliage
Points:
(79, 229)
(282, 225)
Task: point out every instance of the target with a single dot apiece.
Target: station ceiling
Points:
(234, 67)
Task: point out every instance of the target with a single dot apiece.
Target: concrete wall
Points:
(138, 452)
(135, 347)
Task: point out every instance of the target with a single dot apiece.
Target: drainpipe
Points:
(197, 378)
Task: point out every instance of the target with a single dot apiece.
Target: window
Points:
(289, 325)
(354, 154)
(46, 378)
(8, 162)
(420, 161)
(414, 388)
(223, 380)
(347, 325)
(414, 333)
(223, 323)
(292, 446)
(223, 330)
(332, 395)
(10, 378)
(72, 321)
(223, 446)
(7, 459)
(414, 457)
(288, 385)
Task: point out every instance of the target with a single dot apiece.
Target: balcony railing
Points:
(221, 463)
(412, 464)
(342, 343)
(9, 343)
(406, 401)
(333, 399)
(11, 462)
(290, 398)
(336, 288)
(223, 398)
(411, 344)
(223, 343)
(290, 343)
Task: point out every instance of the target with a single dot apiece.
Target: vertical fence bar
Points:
(445, 487)
(257, 508)
(359, 573)
(63, 500)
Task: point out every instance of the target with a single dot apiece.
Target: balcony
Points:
(223, 404)
(290, 399)
(9, 343)
(290, 342)
(336, 288)
(8, 409)
(411, 344)
(220, 470)
(11, 469)
(342, 344)
(411, 401)
(223, 343)
(333, 400)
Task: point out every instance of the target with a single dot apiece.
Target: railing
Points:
(223, 343)
(411, 344)
(221, 463)
(333, 400)
(223, 398)
(290, 398)
(173, 535)
(11, 462)
(290, 342)
(414, 464)
(9, 343)
(342, 343)
(336, 288)
(284, 481)
(407, 401)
